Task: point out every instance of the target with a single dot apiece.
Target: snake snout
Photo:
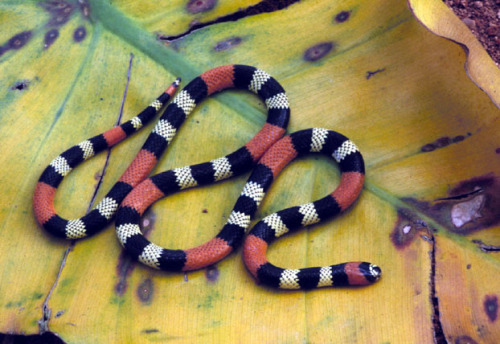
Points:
(375, 272)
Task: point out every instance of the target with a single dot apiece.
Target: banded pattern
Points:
(103, 213)
(243, 159)
(212, 81)
(275, 225)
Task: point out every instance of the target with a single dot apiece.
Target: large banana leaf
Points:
(429, 214)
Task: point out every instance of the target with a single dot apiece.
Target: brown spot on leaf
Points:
(483, 209)
(58, 314)
(496, 150)
(197, 6)
(204, 211)
(79, 34)
(428, 148)
(491, 307)
(471, 205)
(407, 226)
(19, 40)
(369, 74)
(150, 330)
(443, 142)
(465, 340)
(50, 37)
(84, 8)
(212, 273)
(20, 85)
(58, 7)
(342, 16)
(145, 290)
(318, 51)
(123, 270)
(468, 266)
(59, 10)
(227, 44)
(58, 20)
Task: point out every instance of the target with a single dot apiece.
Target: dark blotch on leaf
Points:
(212, 273)
(342, 16)
(58, 20)
(407, 226)
(443, 142)
(58, 7)
(124, 268)
(58, 314)
(227, 44)
(491, 307)
(60, 11)
(20, 85)
(50, 37)
(145, 290)
(150, 330)
(197, 6)
(471, 205)
(3, 50)
(318, 51)
(19, 40)
(369, 74)
(84, 8)
(80, 34)
(428, 148)
(496, 150)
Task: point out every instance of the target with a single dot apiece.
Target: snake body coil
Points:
(242, 160)
(347, 155)
(103, 213)
(134, 192)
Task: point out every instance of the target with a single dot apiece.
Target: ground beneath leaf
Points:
(483, 19)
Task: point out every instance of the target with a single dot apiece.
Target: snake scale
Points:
(266, 154)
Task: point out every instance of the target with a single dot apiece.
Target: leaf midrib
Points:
(129, 31)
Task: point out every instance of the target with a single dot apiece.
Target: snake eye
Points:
(375, 271)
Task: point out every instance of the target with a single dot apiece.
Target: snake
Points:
(240, 161)
(273, 226)
(134, 192)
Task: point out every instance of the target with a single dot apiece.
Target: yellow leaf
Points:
(429, 135)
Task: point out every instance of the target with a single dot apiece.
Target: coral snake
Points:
(266, 154)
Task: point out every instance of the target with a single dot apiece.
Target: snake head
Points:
(374, 273)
